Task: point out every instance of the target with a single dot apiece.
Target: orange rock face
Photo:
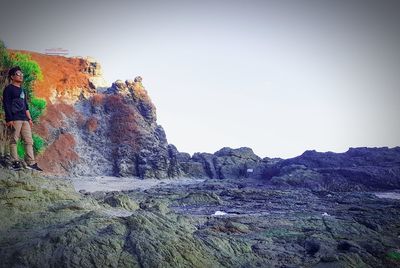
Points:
(60, 155)
(61, 75)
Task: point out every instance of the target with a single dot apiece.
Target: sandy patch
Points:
(109, 184)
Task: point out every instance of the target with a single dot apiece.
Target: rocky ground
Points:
(210, 223)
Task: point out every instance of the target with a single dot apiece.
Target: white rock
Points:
(219, 213)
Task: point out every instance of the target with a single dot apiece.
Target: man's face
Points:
(18, 76)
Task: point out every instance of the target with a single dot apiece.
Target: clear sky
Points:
(280, 77)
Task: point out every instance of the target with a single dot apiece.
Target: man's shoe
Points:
(34, 167)
(16, 165)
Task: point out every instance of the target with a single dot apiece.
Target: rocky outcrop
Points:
(121, 136)
(357, 169)
(225, 163)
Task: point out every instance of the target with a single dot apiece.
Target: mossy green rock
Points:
(45, 223)
(121, 200)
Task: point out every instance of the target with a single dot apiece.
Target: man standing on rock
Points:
(18, 118)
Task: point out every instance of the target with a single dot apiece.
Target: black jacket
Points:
(14, 106)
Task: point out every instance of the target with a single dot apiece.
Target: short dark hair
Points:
(13, 71)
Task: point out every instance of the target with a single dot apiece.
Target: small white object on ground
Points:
(219, 213)
(325, 214)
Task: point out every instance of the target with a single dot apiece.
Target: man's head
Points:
(15, 74)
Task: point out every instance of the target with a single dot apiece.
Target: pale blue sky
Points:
(280, 77)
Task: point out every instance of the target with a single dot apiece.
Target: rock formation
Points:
(121, 136)
(92, 129)
(357, 169)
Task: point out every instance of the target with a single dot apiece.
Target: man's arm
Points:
(28, 114)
